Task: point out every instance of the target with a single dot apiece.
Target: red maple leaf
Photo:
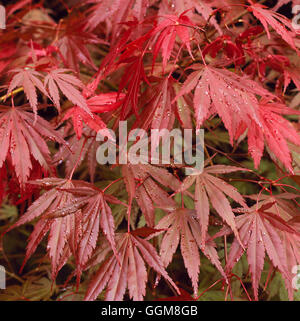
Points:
(158, 112)
(182, 227)
(278, 22)
(131, 273)
(22, 137)
(70, 211)
(73, 41)
(97, 104)
(209, 188)
(61, 230)
(274, 130)
(165, 35)
(68, 84)
(220, 91)
(69, 154)
(95, 212)
(133, 76)
(142, 184)
(29, 79)
(259, 231)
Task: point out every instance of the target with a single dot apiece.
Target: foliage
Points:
(87, 231)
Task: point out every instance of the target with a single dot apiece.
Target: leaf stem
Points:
(211, 286)
(3, 98)
(78, 159)
(113, 182)
(242, 285)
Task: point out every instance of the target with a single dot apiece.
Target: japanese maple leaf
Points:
(283, 65)
(206, 9)
(29, 79)
(79, 116)
(22, 136)
(182, 227)
(70, 211)
(87, 145)
(279, 63)
(73, 42)
(165, 35)
(142, 184)
(133, 76)
(134, 252)
(225, 43)
(158, 112)
(61, 230)
(108, 64)
(102, 10)
(220, 91)
(275, 131)
(115, 12)
(100, 103)
(203, 7)
(259, 231)
(105, 102)
(278, 22)
(284, 204)
(68, 84)
(96, 213)
(211, 189)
